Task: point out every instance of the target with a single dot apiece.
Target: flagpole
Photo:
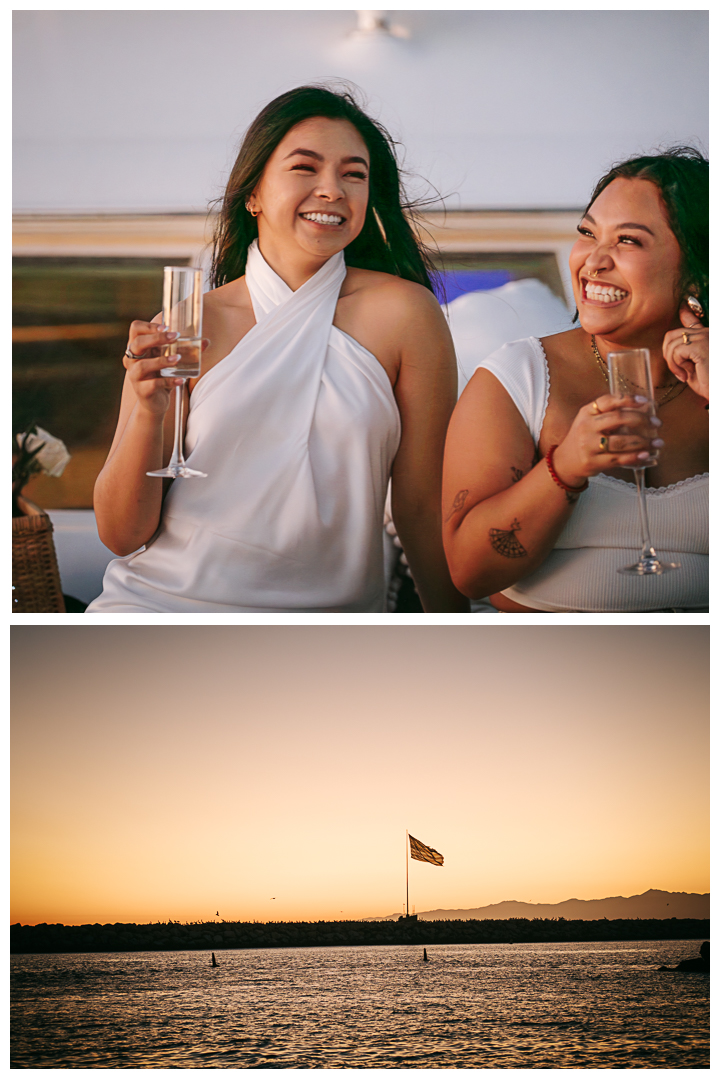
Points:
(407, 877)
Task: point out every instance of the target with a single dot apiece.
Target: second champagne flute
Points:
(182, 313)
(630, 374)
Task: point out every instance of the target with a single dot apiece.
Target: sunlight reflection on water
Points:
(554, 1005)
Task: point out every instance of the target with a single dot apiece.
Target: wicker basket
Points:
(35, 575)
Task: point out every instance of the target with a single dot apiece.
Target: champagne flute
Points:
(182, 312)
(630, 374)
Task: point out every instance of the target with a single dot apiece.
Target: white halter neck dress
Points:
(297, 429)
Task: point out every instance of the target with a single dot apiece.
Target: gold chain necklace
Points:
(669, 387)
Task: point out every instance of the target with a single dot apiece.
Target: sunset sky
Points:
(166, 772)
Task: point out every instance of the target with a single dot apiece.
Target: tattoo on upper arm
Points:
(506, 543)
(458, 503)
(517, 474)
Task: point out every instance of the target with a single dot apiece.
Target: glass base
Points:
(176, 472)
(649, 565)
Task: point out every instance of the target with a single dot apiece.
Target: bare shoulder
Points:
(232, 295)
(400, 322)
(378, 283)
(390, 292)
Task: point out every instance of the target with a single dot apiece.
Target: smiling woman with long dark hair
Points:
(540, 510)
(329, 370)
(386, 241)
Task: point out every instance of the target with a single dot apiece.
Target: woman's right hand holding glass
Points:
(145, 343)
(611, 432)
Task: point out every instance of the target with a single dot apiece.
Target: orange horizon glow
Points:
(168, 772)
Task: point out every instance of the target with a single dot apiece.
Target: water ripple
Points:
(553, 1005)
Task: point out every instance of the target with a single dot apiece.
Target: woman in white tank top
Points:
(329, 369)
(539, 509)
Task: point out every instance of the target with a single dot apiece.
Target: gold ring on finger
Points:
(595, 408)
(604, 444)
(686, 338)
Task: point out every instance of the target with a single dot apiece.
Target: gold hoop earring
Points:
(251, 211)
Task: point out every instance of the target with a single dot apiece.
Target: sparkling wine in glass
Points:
(182, 312)
(630, 374)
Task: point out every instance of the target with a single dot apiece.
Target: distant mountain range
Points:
(653, 904)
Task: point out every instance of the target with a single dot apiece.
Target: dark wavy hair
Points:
(387, 241)
(681, 174)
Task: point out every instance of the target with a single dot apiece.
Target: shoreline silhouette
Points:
(154, 937)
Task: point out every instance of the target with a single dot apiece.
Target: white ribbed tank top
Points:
(580, 574)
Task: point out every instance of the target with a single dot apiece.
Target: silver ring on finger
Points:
(132, 355)
(604, 444)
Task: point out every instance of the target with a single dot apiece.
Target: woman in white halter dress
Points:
(314, 393)
(540, 508)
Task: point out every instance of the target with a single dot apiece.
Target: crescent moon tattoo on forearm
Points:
(506, 543)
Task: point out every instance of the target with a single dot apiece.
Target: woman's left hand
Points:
(687, 352)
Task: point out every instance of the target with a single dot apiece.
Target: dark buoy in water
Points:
(214, 961)
(425, 955)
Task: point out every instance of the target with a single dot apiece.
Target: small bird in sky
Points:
(217, 912)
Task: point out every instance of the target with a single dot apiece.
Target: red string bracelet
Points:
(556, 478)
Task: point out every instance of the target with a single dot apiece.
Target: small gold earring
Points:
(251, 211)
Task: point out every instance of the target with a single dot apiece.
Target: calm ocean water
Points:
(561, 1006)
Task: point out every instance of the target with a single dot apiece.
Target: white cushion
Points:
(480, 322)
(82, 556)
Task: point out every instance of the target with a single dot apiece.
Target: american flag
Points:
(423, 853)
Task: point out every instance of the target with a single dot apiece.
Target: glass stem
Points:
(648, 551)
(177, 450)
